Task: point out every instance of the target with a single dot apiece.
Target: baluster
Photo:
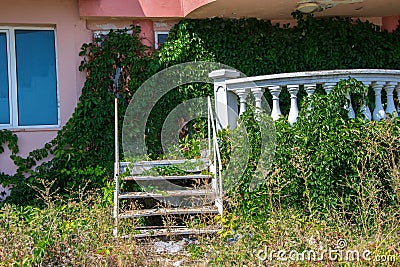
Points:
(328, 87)
(276, 110)
(294, 111)
(310, 89)
(379, 112)
(258, 93)
(349, 107)
(391, 108)
(364, 108)
(398, 96)
(242, 93)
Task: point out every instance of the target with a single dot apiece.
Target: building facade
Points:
(40, 42)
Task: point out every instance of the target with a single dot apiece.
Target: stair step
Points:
(140, 166)
(174, 231)
(174, 193)
(166, 162)
(168, 211)
(172, 177)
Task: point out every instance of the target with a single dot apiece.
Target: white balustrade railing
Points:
(229, 87)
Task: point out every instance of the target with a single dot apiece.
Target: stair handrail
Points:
(116, 153)
(217, 155)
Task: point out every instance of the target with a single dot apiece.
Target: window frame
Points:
(156, 41)
(12, 78)
(99, 34)
(8, 56)
(102, 33)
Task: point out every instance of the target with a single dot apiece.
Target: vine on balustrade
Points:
(83, 149)
(325, 162)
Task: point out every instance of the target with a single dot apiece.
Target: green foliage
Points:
(82, 152)
(253, 46)
(79, 234)
(256, 47)
(65, 234)
(11, 140)
(326, 162)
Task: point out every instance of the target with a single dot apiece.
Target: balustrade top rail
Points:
(310, 77)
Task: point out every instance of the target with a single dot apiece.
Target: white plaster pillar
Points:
(366, 111)
(349, 107)
(364, 108)
(276, 110)
(294, 110)
(398, 94)
(328, 87)
(379, 112)
(258, 94)
(310, 89)
(226, 109)
(242, 93)
(391, 108)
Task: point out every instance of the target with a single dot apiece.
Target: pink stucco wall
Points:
(71, 33)
(189, 6)
(139, 8)
(390, 23)
(131, 8)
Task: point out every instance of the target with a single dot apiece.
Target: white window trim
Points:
(12, 80)
(156, 33)
(9, 75)
(101, 33)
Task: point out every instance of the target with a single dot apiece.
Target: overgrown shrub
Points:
(82, 153)
(327, 163)
(73, 233)
(83, 149)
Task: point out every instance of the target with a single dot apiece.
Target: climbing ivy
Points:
(82, 153)
(11, 141)
(324, 163)
(257, 47)
(7, 137)
(83, 150)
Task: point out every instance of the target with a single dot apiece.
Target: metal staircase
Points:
(194, 194)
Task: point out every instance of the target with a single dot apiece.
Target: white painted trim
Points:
(57, 80)
(281, 79)
(156, 33)
(44, 128)
(14, 84)
(99, 33)
(9, 78)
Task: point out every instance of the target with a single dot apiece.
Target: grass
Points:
(79, 233)
(259, 232)
(67, 234)
(286, 237)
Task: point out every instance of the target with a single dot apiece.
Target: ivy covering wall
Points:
(82, 152)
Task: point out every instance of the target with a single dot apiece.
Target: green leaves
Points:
(9, 138)
(254, 47)
(82, 152)
(327, 162)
